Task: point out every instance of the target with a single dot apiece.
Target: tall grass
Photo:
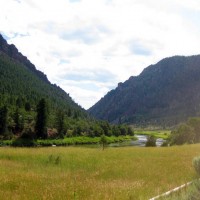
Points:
(192, 192)
(90, 173)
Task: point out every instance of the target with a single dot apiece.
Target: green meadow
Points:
(67, 141)
(91, 173)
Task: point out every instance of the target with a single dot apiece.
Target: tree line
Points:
(43, 123)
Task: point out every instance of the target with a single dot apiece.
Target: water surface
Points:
(141, 141)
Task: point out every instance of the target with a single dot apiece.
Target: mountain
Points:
(21, 82)
(12, 52)
(163, 94)
(33, 108)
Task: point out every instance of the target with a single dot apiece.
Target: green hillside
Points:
(32, 107)
(21, 82)
(19, 85)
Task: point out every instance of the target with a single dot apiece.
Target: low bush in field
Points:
(196, 164)
(187, 133)
(23, 142)
(151, 141)
(165, 144)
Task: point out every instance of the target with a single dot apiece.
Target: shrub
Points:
(23, 142)
(103, 141)
(196, 164)
(8, 135)
(165, 144)
(28, 133)
(26, 139)
(54, 160)
(183, 134)
(151, 141)
(52, 133)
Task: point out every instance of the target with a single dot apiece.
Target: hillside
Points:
(33, 108)
(21, 82)
(165, 94)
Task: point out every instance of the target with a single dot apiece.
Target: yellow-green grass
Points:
(157, 133)
(91, 173)
(191, 192)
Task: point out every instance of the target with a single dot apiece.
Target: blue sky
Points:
(87, 47)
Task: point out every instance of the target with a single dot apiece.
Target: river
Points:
(142, 139)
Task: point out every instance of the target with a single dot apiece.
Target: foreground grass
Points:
(164, 134)
(191, 192)
(90, 173)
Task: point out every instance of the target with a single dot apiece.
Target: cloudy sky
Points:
(88, 46)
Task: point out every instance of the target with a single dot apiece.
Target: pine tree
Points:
(16, 120)
(69, 113)
(41, 119)
(59, 123)
(3, 120)
(27, 106)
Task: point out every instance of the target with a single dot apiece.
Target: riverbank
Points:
(67, 141)
(120, 141)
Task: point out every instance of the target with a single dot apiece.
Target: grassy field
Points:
(191, 192)
(157, 133)
(90, 173)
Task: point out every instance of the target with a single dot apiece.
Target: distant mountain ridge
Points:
(165, 93)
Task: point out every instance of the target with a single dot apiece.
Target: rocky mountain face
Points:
(13, 53)
(163, 94)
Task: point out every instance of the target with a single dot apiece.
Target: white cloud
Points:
(87, 46)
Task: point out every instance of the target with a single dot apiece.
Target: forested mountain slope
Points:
(33, 108)
(165, 93)
(21, 82)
